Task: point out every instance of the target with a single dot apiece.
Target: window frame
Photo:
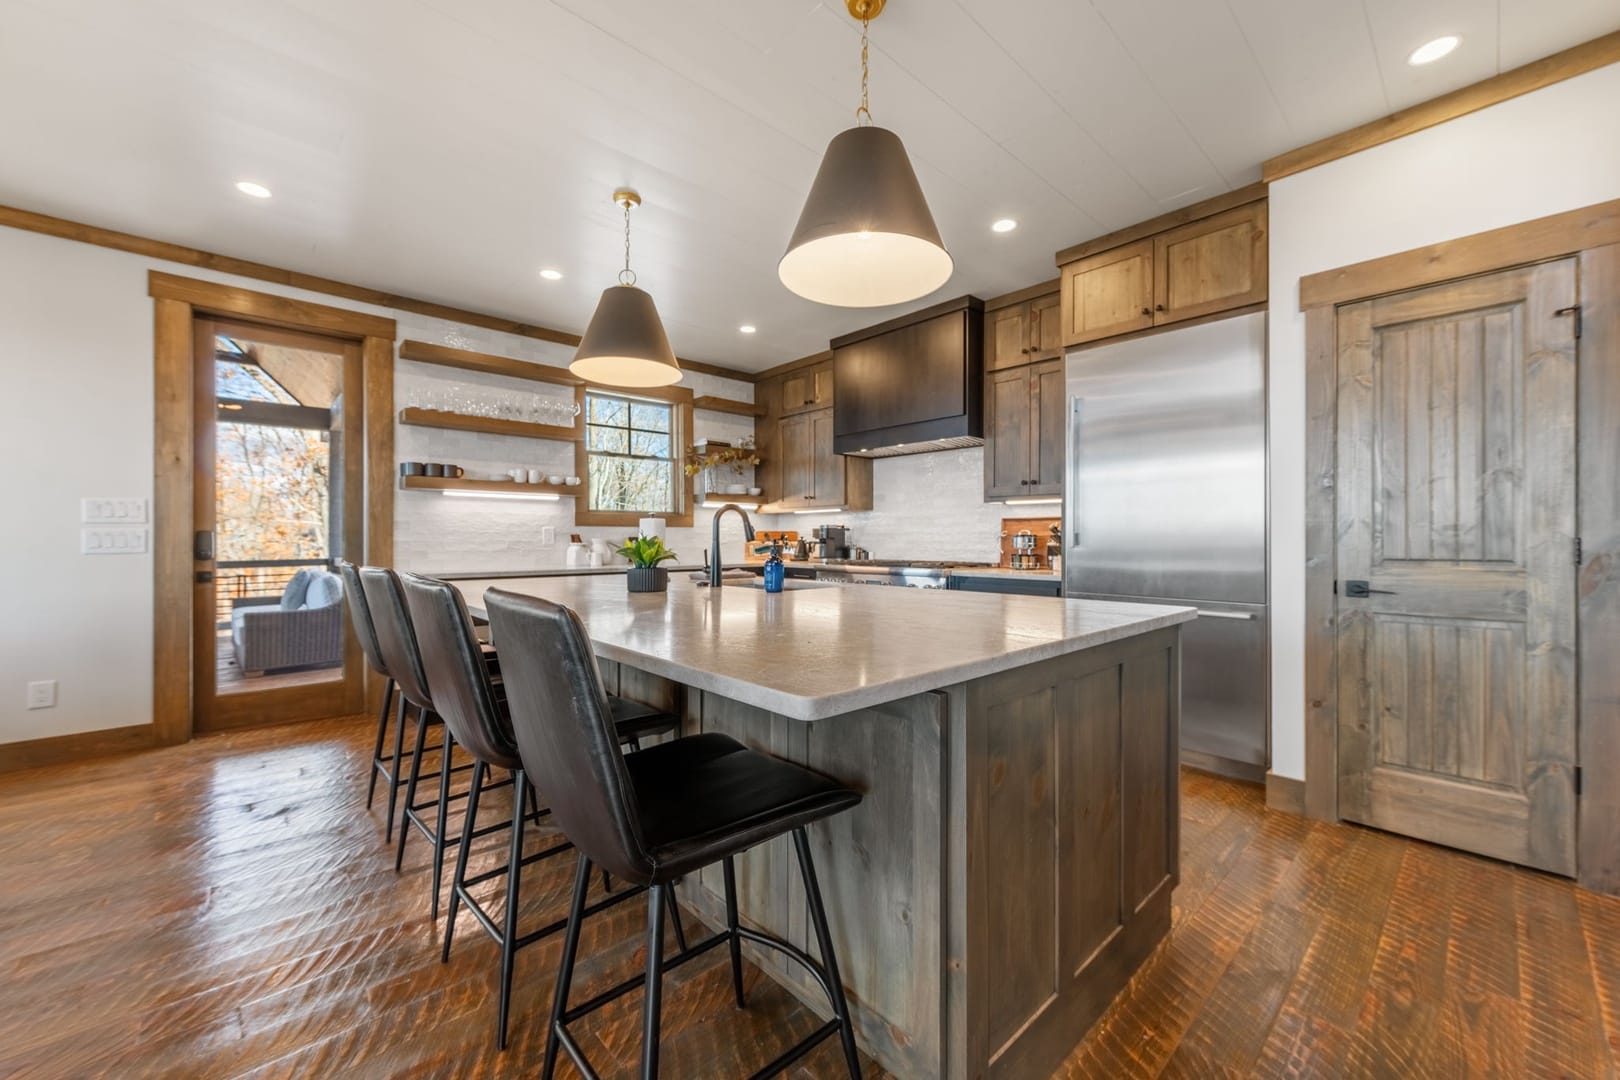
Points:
(680, 436)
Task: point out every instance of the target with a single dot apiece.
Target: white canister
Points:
(578, 555)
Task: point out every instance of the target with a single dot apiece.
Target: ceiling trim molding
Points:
(1227, 200)
(62, 228)
(1578, 60)
(794, 365)
(1028, 292)
(1551, 237)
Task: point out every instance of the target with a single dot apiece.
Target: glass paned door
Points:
(273, 509)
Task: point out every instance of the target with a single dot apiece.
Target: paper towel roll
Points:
(652, 526)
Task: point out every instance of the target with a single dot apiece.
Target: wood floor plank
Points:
(228, 908)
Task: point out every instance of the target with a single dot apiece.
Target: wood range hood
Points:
(912, 385)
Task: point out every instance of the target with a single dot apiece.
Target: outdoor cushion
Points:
(324, 590)
(292, 597)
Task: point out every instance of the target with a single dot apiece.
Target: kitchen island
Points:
(1012, 862)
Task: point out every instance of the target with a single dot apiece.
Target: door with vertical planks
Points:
(1456, 564)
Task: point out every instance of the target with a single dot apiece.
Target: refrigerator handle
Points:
(1074, 470)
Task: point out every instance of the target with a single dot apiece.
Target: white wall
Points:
(76, 420)
(1553, 150)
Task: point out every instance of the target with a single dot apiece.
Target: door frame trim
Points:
(176, 301)
(1592, 235)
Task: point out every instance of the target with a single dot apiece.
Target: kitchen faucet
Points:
(714, 540)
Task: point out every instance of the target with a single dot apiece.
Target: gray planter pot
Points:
(647, 579)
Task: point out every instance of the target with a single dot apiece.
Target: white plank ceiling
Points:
(450, 149)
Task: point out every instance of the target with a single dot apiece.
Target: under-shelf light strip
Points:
(821, 510)
(536, 496)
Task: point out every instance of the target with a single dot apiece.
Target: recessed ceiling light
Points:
(551, 275)
(1431, 51)
(745, 328)
(248, 187)
(1006, 224)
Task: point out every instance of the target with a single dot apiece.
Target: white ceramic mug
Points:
(518, 474)
(534, 476)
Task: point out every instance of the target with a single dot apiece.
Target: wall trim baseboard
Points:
(1284, 794)
(65, 229)
(75, 747)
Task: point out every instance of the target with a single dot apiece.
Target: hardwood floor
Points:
(227, 908)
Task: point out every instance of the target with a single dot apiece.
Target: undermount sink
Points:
(787, 586)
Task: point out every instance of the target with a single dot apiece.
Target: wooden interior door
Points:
(1456, 564)
(226, 694)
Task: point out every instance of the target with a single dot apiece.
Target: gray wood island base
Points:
(1012, 863)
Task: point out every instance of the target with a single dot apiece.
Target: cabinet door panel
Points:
(798, 478)
(826, 467)
(1007, 430)
(1210, 265)
(1047, 431)
(1006, 342)
(1046, 327)
(1109, 293)
(808, 388)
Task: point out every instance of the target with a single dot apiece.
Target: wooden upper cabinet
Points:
(1024, 431)
(1046, 327)
(808, 388)
(826, 466)
(1048, 431)
(1210, 265)
(1006, 337)
(1108, 293)
(797, 461)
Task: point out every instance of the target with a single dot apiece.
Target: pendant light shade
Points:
(625, 343)
(866, 237)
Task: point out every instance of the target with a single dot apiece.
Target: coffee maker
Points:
(832, 541)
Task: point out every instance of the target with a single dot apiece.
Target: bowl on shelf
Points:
(756, 492)
(736, 489)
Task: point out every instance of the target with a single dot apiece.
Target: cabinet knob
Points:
(1147, 311)
(1158, 307)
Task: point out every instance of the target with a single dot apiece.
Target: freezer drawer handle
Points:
(1359, 589)
(1246, 616)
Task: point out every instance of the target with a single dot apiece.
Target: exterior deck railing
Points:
(240, 579)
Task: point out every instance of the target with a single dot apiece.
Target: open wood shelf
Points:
(491, 425)
(445, 356)
(726, 405)
(505, 487)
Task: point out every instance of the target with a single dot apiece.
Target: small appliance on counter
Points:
(832, 542)
(1027, 543)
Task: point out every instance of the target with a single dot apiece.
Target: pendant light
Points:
(865, 237)
(625, 343)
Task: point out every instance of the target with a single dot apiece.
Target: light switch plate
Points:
(119, 541)
(42, 694)
(548, 535)
(112, 511)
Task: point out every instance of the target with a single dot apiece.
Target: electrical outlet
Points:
(548, 535)
(42, 694)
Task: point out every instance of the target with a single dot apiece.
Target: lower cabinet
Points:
(1024, 431)
(1007, 584)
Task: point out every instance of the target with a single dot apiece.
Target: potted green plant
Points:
(645, 553)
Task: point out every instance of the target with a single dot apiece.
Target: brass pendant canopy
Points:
(866, 237)
(625, 344)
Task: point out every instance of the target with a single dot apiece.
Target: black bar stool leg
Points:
(675, 917)
(394, 777)
(410, 787)
(731, 925)
(458, 879)
(818, 916)
(654, 989)
(565, 971)
(382, 737)
(443, 821)
(514, 871)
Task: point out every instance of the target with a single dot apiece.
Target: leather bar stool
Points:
(360, 619)
(653, 816)
(474, 711)
(396, 637)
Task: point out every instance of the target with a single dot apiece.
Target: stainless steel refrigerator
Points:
(1165, 501)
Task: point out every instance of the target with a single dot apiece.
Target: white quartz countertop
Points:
(814, 653)
(1005, 572)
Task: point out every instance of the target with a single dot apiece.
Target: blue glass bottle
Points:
(775, 572)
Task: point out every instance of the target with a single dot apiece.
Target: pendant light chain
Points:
(627, 276)
(863, 115)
